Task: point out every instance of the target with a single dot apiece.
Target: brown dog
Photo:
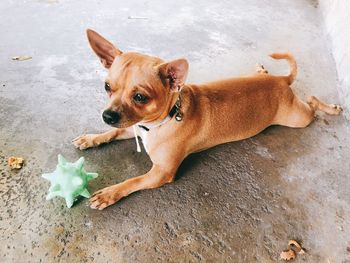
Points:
(149, 97)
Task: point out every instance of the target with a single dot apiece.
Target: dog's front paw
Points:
(86, 141)
(105, 197)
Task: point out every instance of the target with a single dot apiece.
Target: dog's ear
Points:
(104, 49)
(174, 73)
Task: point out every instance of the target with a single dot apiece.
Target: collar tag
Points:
(138, 148)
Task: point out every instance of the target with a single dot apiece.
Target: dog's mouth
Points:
(123, 125)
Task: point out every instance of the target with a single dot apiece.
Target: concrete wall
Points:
(336, 15)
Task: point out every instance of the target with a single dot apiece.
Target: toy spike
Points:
(46, 176)
(52, 195)
(80, 163)
(61, 160)
(69, 201)
(91, 176)
(85, 193)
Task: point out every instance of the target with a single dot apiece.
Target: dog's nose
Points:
(110, 117)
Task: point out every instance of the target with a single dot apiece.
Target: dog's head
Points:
(140, 87)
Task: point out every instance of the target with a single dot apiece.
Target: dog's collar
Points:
(175, 111)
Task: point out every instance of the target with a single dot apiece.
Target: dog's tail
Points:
(293, 65)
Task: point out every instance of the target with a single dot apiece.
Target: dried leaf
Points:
(296, 247)
(287, 255)
(21, 58)
(15, 162)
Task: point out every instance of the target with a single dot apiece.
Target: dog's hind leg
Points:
(331, 109)
(300, 114)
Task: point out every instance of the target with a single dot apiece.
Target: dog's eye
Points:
(107, 87)
(140, 98)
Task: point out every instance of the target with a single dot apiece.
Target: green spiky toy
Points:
(69, 180)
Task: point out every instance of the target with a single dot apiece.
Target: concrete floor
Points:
(238, 202)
